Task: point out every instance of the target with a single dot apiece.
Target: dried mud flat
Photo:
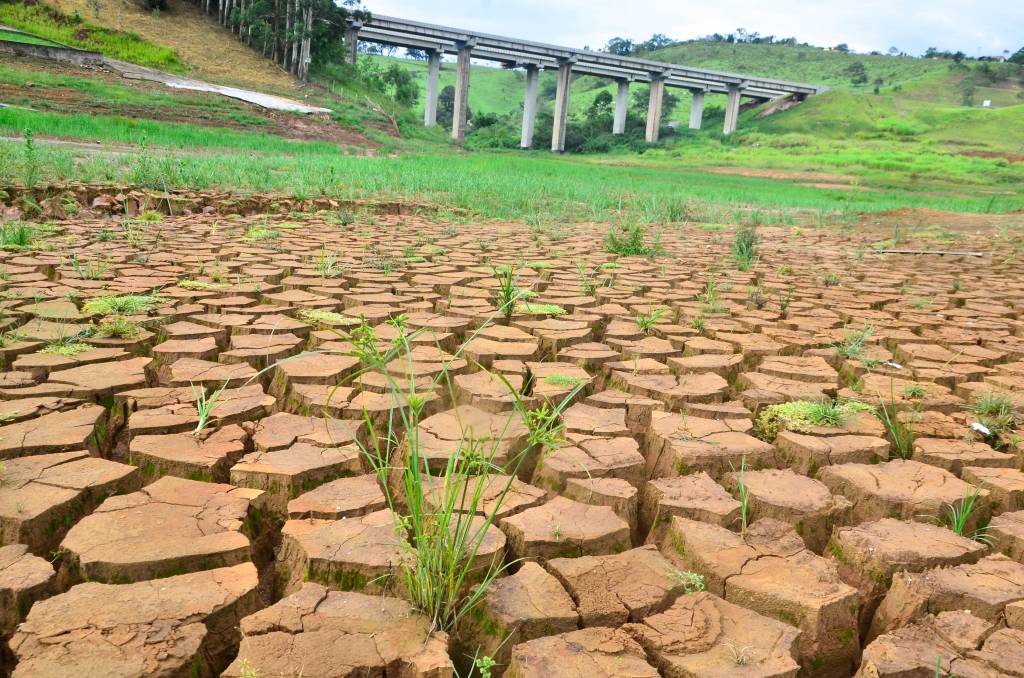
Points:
(264, 545)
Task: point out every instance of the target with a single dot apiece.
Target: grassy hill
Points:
(913, 143)
(180, 39)
(904, 97)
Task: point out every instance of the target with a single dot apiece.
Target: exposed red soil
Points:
(263, 541)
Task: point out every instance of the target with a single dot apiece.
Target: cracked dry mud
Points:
(132, 545)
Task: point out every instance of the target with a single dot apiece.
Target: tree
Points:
(601, 107)
(966, 90)
(417, 54)
(446, 106)
(1018, 57)
(843, 47)
(655, 42)
(857, 72)
(293, 33)
(620, 46)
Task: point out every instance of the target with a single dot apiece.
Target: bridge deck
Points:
(515, 52)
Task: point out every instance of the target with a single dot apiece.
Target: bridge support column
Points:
(697, 109)
(461, 114)
(352, 41)
(654, 110)
(732, 110)
(433, 75)
(621, 107)
(530, 106)
(561, 105)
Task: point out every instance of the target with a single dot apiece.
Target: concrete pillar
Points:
(352, 41)
(732, 110)
(621, 107)
(697, 108)
(433, 75)
(654, 110)
(461, 113)
(561, 105)
(530, 106)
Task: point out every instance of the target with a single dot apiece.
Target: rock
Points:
(183, 625)
(526, 605)
(900, 489)
(341, 498)
(55, 432)
(316, 633)
(703, 635)
(807, 454)
(954, 455)
(803, 502)
(24, 579)
(611, 590)
(771, 572)
(285, 474)
(168, 527)
(681, 445)
(585, 457)
(44, 495)
(361, 553)
(282, 430)
(695, 496)
(565, 528)
(868, 555)
(208, 456)
(595, 653)
(984, 588)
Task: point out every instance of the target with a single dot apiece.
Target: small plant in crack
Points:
(957, 517)
(757, 297)
(740, 655)
(690, 581)
(744, 248)
(914, 391)
(998, 414)
(744, 495)
(852, 345)
(646, 322)
(206, 403)
(901, 432)
(89, 270)
(508, 294)
(327, 264)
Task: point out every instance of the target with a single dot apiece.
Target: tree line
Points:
(292, 33)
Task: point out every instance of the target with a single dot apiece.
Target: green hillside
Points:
(910, 99)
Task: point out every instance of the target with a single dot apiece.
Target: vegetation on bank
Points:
(501, 185)
(74, 31)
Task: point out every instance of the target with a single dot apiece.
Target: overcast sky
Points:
(978, 27)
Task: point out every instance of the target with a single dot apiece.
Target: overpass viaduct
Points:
(534, 56)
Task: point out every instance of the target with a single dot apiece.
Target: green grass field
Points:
(11, 36)
(847, 151)
(917, 99)
(666, 186)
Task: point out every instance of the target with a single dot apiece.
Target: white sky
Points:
(978, 27)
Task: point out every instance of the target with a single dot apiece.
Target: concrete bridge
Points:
(533, 56)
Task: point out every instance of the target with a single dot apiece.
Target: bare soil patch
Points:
(664, 533)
